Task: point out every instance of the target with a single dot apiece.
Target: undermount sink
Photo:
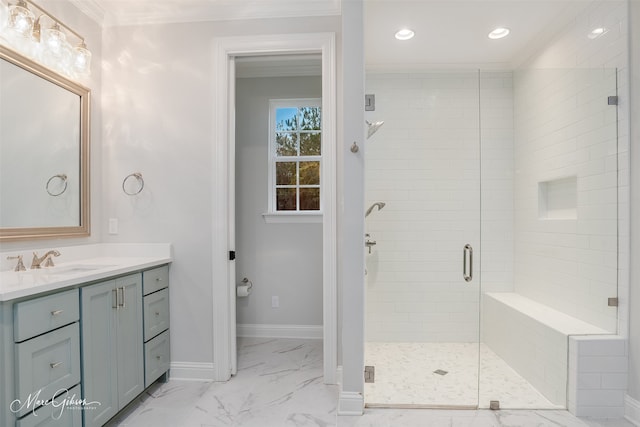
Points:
(80, 268)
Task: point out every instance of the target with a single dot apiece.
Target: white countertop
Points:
(81, 264)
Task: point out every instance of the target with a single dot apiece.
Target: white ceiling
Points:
(449, 33)
(453, 33)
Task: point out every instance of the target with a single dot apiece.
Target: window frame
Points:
(272, 214)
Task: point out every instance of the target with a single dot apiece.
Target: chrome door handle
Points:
(115, 298)
(123, 301)
(467, 250)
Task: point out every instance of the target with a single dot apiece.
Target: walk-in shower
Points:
(521, 166)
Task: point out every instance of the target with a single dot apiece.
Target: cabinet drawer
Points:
(56, 415)
(47, 364)
(157, 353)
(40, 315)
(156, 313)
(155, 279)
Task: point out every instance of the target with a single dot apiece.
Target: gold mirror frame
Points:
(83, 229)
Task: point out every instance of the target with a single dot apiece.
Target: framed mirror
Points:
(44, 152)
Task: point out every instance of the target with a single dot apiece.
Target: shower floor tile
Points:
(405, 375)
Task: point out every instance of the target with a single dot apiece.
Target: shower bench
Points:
(538, 341)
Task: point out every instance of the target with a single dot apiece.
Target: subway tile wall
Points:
(424, 163)
(570, 131)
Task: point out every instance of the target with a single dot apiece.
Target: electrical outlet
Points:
(275, 302)
(113, 225)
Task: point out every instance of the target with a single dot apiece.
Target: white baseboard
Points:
(280, 331)
(350, 403)
(192, 371)
(632, 410)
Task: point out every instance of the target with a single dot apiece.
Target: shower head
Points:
(373, 127)
(380, 205)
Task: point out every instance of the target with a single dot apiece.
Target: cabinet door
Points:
(130, 340)
(99, 352)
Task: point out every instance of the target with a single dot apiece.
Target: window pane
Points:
(309, 173)
(286, 119)
(286, 144)
(286, 199)
(309, 199)
(310, 118)
(286, 173)
(310, 144)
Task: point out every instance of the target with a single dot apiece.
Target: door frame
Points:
(223, 189)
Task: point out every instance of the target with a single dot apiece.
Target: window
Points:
(295, 156)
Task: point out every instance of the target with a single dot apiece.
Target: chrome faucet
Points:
(46, 258)
(20, 265)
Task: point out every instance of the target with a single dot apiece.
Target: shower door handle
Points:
(468, 250)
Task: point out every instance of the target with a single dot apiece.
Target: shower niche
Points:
(558, 198)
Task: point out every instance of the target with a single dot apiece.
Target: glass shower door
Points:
(423, 277)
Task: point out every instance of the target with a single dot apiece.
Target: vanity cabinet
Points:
(112, 346)
(156, 323)
(47, 351)
(100, 341)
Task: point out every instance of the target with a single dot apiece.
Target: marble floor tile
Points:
(279, 384)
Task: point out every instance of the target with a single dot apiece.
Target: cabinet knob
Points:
(55, 364)
(56, 312)
(158, 357)
(158, 279)
(157, 313)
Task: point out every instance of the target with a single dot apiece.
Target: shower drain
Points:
(440, 372)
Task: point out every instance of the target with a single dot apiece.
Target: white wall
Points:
(571, 264)
(424, 163)
(158, 110)
(283, 260)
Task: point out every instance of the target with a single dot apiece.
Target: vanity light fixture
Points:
(21, 19)
(405, 34)
(499, 33)
(50, 43)
(597, 32)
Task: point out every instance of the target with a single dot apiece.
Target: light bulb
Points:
(405, 34)
(82, 59)
(54, 39)
(499, 33)
(21, 19)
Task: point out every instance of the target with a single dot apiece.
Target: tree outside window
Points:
(296, 150)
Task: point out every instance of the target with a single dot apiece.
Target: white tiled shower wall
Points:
(565, 129)
(424, 164)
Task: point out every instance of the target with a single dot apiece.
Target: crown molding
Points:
(92, 9)
(112, 13)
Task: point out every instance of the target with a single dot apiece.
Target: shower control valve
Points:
(368, 242)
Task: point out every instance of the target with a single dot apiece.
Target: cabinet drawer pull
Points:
(55, 364)
(158, 357)
(56, 312)
(115, 299)
(123, 301)
(158, 279)
(157, 313)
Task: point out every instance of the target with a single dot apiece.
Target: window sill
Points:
(292, 218)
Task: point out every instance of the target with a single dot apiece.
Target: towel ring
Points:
(62, 177)
(136, 175)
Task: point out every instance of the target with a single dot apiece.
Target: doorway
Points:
(227, 50)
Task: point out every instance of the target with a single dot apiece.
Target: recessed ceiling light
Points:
(405, 34)
(597, 32)
(499, 33)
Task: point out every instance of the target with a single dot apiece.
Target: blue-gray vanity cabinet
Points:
(156, 324)
(58, 415)
(112, 346)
